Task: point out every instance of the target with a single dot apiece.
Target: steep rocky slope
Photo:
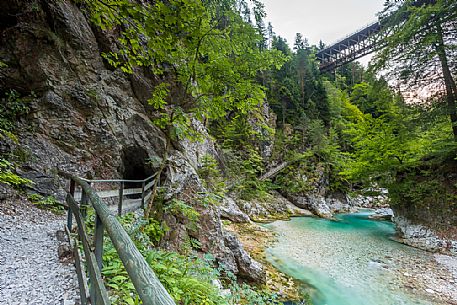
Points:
(426, 209)
(88, 119)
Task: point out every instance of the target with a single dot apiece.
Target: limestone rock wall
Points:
(423, 237)
(91, 120)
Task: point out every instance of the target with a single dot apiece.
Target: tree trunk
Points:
(451, 89)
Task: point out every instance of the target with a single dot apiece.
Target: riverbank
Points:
(437, 277)
(256, 239)
(354, 262)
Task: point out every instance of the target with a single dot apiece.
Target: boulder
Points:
(316, 204)
(275, 206)
(339, 203)
(248, 268)
(253, 208)
(421, 237)
(231, 211)
(382, 214)
(378, 199)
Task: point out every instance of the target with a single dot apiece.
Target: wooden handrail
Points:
(121, 191)
(118, 180)
(146, 283)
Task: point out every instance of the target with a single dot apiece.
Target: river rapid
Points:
(355, 261)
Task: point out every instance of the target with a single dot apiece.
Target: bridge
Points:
(365, 41)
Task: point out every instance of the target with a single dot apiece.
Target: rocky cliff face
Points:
(323, 202)
(423, 237)
(431, 227)
(425, 206)
(90, 120)
(272, 208)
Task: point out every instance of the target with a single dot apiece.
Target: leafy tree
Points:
(387, 136)
(210, 48)
(421, 51)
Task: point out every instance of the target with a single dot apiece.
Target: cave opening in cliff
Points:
(135, 165)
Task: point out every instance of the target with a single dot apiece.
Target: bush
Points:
(187, 278)
(49, 203)
(12, 106)
(10, 178)
(212, 176)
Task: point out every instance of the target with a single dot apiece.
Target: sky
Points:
(326, 20)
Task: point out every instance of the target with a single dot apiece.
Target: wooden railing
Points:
(93, 290)
(124, 205)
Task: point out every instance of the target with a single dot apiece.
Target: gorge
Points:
(242, 129)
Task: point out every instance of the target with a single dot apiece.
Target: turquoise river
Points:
(351, 261)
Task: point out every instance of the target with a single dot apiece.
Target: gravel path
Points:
(30, 270)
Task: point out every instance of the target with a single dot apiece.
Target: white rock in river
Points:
(382, 214)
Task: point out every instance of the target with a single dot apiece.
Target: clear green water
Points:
(352, 261)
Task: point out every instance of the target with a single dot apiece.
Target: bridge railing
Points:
(329, 46)
(92, 288)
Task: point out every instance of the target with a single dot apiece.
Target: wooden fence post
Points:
(98, 251)
(99, 227)
(83, 204)
(142, 194)
(121, 198)
(70, 215)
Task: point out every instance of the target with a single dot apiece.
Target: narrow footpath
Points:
(31, 272)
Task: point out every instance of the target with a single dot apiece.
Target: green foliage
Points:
(412, 53)
(250, 186)
(9, 135)
(159, 95)
(420, 51)
(211, 174)
(387, 142)
(309, 110)
(214, 54)
(116, 278)
(8, 177)
(296, 91)
(241, 131)
(48, 203)
(180, 208)
(12, 106)
(312, 151)
(245, 294)
(244, 169)
(213, 180)
(373, 136)
(154, 230)
(188, 279)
